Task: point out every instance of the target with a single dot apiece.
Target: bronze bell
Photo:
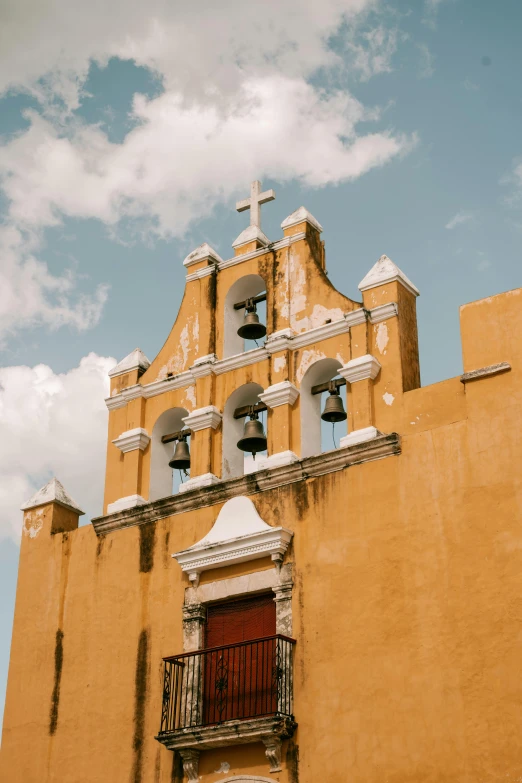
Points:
(254, 438)
(334, 408)
(251, 328)
(181, 457)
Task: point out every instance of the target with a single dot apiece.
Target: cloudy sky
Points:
(127, 131)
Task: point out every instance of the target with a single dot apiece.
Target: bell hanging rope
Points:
(334, 408)
(254, 438)
(251, 328)
(181, 457)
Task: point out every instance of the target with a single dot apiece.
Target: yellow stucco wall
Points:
(406, 607)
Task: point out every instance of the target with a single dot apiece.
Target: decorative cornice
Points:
(385, 271)
(199, 482)
(240, 360)
(238, 535)
(230, 732)
(278, 459)
(131, 501)
(201, 253)
(251, 234)
(274, 246)
(359, 436)
(260, 481)
(203, 366)
(485, 372)
(285, 339)
(199, 274)
(283, 393)
(130, 440)
(300, 216)
(383, 312)
(360, 369)
(203, 418)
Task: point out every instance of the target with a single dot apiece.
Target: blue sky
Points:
(398, 125)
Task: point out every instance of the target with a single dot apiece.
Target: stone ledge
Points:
(232, 732)
(485, 372)
(251, 484)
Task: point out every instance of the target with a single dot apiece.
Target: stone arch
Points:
(321, 371)
(242, 289)
(247, 779)
(233, 458)
(160, 485)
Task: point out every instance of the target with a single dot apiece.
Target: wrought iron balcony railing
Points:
(240, 681)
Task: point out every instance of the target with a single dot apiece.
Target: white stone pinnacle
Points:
(52, 492)
(136, 360)
(385, 271)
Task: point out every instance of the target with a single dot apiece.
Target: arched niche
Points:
(244, 288)
(233, 463)
(321, 371)
(160, 473)
(246, 779)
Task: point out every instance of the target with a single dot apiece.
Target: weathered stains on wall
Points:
(33, 522)
(141, 684)
(292, 761)
(308, 357)
(147, 543)
(279, 363)
(190, 396)
(381, 336)
(188, 340)
(58, 666)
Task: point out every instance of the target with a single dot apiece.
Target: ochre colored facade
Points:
(404, 572)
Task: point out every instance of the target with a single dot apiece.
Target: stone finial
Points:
(200, 254)
(251, 234)
(53, 492)
(134, 361)
(385, 271)
(300, 216)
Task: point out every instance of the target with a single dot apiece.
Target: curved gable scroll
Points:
(237, 536)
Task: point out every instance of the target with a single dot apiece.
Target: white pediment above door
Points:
(237, 536)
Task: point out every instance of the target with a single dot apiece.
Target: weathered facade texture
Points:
(395, 560)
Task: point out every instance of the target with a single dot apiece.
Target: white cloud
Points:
(426, 70)
(31, 296)
(459, 219)
(180, 159)
(237, 104)
(52, 424)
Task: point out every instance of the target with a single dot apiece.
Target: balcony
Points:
(229, 695)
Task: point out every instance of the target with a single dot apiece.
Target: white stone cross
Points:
(254, 202)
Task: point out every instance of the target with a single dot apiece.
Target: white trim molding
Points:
(360, 369)
(203, 418)
(131, 501)
(202, 253)
(138, 438)
(300, 216)
(199, 482)
(203, 366)
(237, 536)
(385, 271)
(278, 460)
(283, 393)
(383, 312)
(240, 360)
(359, 436)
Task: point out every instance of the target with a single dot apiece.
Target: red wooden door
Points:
(238, 681)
